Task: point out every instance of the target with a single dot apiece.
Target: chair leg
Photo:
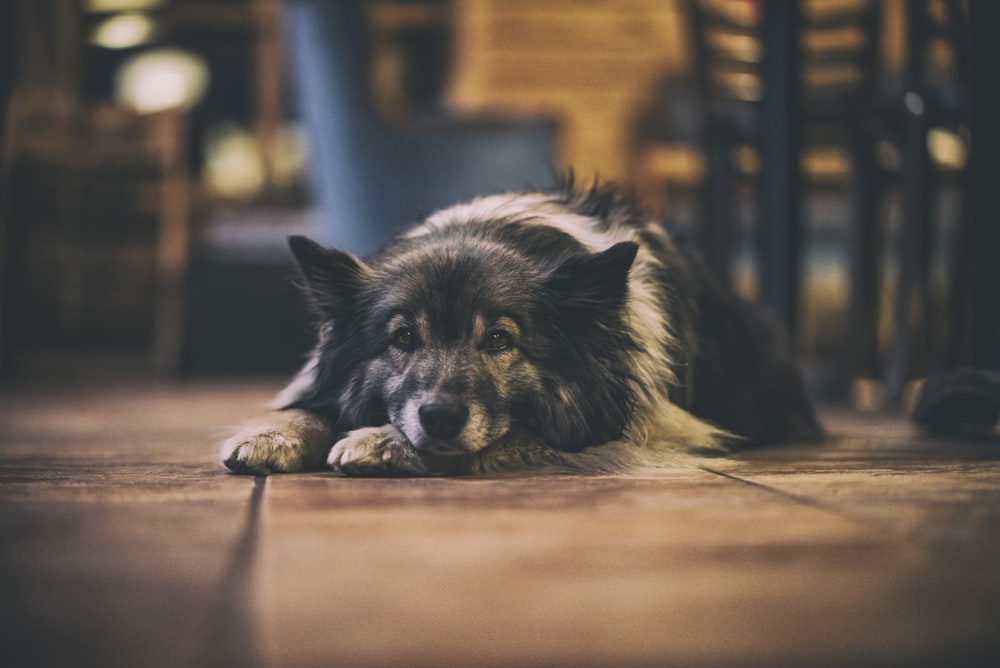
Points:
(861, 353)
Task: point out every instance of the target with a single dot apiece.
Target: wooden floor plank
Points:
(124, 543)
(938, 493)
(118, 527)
(688, 569)
(939, 496)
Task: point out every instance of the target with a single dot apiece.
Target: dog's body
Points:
(558, 330)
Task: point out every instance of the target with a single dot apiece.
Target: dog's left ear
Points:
(332, 277)
(597, 281)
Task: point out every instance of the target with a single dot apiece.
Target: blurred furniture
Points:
(99, 218)
(916, 345)
(800, 84)
(783, 85)
(6, 87)
(963, 397)
(372, 178)
(97, 208)
(976, 300)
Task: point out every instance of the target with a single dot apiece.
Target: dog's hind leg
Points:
(284, 442)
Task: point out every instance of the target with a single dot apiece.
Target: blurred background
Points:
(156, 153)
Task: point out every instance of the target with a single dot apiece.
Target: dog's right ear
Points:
(332, 278)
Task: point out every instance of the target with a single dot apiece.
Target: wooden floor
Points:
(124, 543)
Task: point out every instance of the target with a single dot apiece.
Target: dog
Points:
(552, 330)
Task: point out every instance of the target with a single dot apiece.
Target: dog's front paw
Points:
(286, 442)
(375, 451)
(265, 453)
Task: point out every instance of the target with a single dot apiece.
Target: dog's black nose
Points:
(443, 420)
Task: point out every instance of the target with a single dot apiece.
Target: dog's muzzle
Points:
(443, 419)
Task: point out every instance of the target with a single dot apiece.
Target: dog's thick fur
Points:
(556, 330)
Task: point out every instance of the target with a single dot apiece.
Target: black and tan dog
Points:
(560, 330)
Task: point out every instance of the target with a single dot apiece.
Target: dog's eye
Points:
(405, 338)
(498, 340)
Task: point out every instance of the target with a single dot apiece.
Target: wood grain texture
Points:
(124, 543)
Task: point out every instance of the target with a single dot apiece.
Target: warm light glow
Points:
(233, 162)
(123, 31)
(947, 149)
(162, 79)
(107, 6)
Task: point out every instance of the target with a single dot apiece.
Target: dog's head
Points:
(457, 341)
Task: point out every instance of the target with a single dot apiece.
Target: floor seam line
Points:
(231, 640)
(876, 528)
(797, 498)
